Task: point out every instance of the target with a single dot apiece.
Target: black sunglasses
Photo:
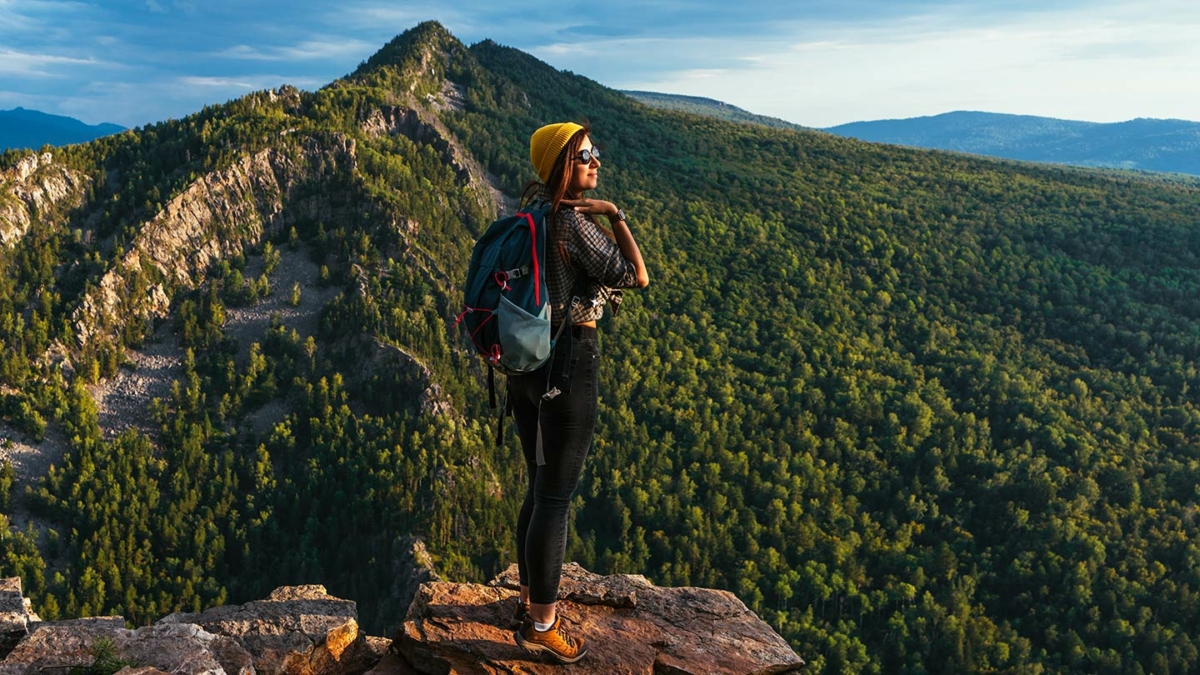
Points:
(587, 154)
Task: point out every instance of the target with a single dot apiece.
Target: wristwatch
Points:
(620, 216)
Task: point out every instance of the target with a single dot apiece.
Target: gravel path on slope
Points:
(124, 400)
(31, 462)
(249, 324)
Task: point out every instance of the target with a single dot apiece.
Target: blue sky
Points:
(813, 62)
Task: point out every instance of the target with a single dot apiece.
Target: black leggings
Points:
(567, 423)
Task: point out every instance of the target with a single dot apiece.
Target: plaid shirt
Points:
(594, 270)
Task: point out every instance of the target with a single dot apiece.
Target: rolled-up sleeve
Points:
(598, 255)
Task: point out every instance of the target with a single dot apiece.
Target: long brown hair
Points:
(558, 186)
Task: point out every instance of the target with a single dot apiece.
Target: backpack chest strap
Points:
(516, 273)
(502, 278)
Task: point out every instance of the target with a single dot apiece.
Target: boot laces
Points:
(562, 635)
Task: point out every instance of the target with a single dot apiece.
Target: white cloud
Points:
(387, 17)
(34, 15)
(1105, 60)
(311, 49)
(706, 73)
(1097, 63)
(245, 52)
(37, 65)
(249, 83)
(222, 82)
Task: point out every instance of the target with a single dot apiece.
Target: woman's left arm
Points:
(621, 233)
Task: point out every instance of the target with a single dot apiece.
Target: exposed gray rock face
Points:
(214, 218)
(413, 566)
(631, 625)
(16, 614)
(35, 186)
(181, 648)
(421, 129)
(422, 126)
(297, 630)
(452, 97)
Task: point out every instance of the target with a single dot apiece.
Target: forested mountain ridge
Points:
(922, 412)
(707, 107)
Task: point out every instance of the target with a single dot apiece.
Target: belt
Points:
(578, 331)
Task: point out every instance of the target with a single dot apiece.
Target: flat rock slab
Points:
(581, 586)
(631, 626)
(182, 649)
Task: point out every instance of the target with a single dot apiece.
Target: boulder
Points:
(631, 625)
(297, 630)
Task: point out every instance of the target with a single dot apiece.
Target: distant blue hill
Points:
(1146, 144)
(21, 128)
(708, 107)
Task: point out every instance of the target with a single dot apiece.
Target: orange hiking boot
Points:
(563, 647)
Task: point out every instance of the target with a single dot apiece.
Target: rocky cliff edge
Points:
(631, 625)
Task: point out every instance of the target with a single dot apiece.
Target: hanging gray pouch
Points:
(524, 338)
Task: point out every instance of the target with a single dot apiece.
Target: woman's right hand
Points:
(597, 207)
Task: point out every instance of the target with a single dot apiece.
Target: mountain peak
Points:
(410, 56)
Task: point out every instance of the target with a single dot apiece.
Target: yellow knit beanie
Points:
(546, 143)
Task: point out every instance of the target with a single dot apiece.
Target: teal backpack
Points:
(507, 302)
(506, 311)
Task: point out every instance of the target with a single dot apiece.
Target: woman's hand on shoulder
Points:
(594, 206)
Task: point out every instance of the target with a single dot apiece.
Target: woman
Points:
(586, 265)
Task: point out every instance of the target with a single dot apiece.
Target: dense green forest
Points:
(923, 413)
